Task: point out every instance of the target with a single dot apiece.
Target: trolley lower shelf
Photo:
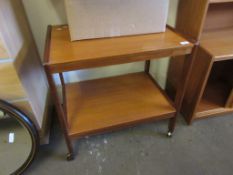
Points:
(109, 103)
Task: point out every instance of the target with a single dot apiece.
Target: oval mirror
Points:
(18, 140)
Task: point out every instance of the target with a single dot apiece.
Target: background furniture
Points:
(209, 90)
(19, 140)
(22, 81)
(95, 106)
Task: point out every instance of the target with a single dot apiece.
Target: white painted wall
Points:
(159, 67)
(172, 12)
(44, 12)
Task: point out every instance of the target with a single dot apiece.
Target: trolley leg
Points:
(171, 126)
(147, 66)
(60, 114)
(180, 92)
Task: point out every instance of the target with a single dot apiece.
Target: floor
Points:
(205, 148)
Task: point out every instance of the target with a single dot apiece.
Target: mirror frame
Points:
(28, 124)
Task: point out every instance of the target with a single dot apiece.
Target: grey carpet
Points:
(204, 148)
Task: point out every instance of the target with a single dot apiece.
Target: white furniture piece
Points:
(22, 81)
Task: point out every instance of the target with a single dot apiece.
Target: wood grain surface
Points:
(96, 105)
(65, 55)
(219, 43)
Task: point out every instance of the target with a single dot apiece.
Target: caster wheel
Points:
(69, 157)
(169, 134)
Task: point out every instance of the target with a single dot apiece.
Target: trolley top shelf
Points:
(63, 55)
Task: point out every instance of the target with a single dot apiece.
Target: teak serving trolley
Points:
(95, 106)
(210, 86)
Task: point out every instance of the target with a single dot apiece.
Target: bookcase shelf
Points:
(214, 100)
(209, 89)
(218, 43)
(220, 1)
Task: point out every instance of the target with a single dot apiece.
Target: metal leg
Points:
(60, 113)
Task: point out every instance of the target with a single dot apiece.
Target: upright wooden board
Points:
(32, 77)
(13, 34)
(191, 17)
(197, 82)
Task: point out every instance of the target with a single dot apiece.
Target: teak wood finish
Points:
(212, 28)
(219, 43)
(109, 51)
(106, 104)
(102, 103)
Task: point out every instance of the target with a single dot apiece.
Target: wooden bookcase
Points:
(95, 106)
(209, 90)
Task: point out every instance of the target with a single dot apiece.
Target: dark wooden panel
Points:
(191, 16)
(197, 82)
